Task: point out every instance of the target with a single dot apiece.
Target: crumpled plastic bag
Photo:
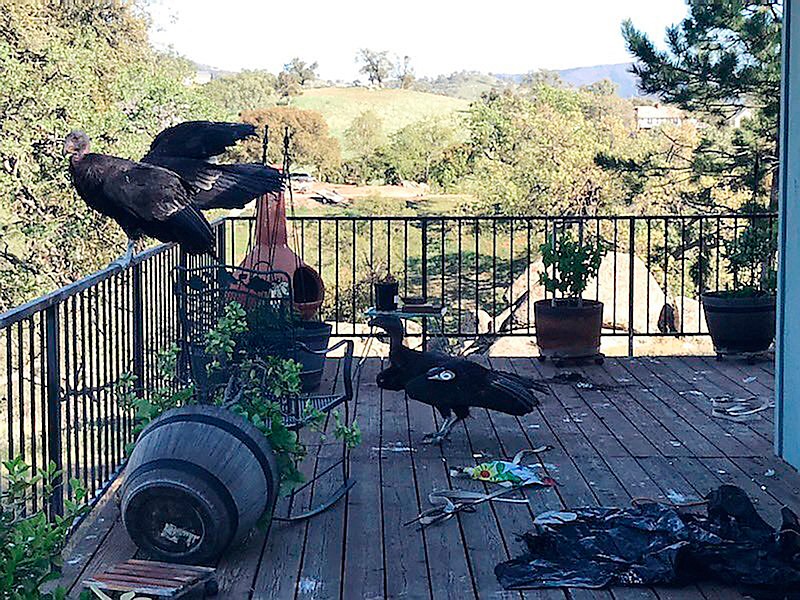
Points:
(655, 544)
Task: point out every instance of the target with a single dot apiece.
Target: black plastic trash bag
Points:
(655, 544)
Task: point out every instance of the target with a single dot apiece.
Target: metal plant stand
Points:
(266, 295)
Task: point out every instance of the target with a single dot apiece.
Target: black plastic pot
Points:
(567, 329)
(386, 295)
(739, 324)
(315, 335)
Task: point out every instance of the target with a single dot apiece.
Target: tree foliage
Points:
(311, 143)
(404, 72)
(242, 91)
(415, 148)
(375, 64)
(302, 71)
(724, 57)
(287, 86)
(533, 151)
(68, 65)
(411, 153)
(365, 133)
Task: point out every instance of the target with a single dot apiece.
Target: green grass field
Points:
(397, 108)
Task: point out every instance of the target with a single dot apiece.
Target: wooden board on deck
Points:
(156, 579)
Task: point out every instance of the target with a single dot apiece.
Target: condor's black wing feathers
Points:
(474, 385)
(184, 149)
(156, 202)
(198, 139)
(223, 186)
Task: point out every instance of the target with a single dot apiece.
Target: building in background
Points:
(650, 116)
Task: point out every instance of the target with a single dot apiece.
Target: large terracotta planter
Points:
(567, 330)
(739, 324)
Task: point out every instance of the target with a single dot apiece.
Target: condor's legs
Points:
(124, 261)
(460, 412)
(444, 431)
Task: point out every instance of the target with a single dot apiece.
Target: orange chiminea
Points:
(271, 252)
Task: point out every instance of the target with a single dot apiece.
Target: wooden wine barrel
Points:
(197, 481)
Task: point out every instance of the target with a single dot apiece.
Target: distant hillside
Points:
(397, 108)
(619, 74)
(468, 85)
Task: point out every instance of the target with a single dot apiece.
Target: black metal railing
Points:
(486, 269)
(62, 355)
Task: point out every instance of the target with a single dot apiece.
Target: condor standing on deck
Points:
(450, 384)
(163, 195)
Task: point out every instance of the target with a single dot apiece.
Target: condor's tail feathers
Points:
(516, 398)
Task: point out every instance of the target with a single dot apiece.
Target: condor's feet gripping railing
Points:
(267, 297)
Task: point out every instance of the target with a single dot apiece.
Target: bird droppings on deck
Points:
(677, 497)
(395, 447)
(548, 466)
(306, 585)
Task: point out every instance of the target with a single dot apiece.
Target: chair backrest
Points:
(203, 294)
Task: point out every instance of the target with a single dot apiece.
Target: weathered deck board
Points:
(648, 433)
(405, 547)
(447, 553)
(364, 563)
(278, 574)
(575, 488)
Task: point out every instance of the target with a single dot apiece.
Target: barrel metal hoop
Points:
(227, 427)
(190, 468)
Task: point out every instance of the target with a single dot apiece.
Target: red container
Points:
(567, 329)
(271, 252)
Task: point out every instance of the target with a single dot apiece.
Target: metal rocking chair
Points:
(203, 293)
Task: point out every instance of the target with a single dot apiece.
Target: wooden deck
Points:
(649, 434)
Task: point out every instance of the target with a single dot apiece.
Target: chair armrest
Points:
(324, 351)
(347, 373)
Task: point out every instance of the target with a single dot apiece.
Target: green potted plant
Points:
(387, 291)
(742, 320)
(568, 326)
(274, 327)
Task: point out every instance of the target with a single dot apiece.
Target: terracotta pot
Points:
(271, 251)
(568, 329)
(739, 324)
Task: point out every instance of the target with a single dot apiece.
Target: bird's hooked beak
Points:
(382, 337)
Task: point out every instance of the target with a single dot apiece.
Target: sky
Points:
(440, 36)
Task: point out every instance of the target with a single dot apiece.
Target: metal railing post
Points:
(631, 271)
(221, 238)
(53, 356)
(424, 279)
(138, 327)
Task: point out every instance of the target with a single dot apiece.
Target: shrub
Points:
(574, 262)
(30, 544)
